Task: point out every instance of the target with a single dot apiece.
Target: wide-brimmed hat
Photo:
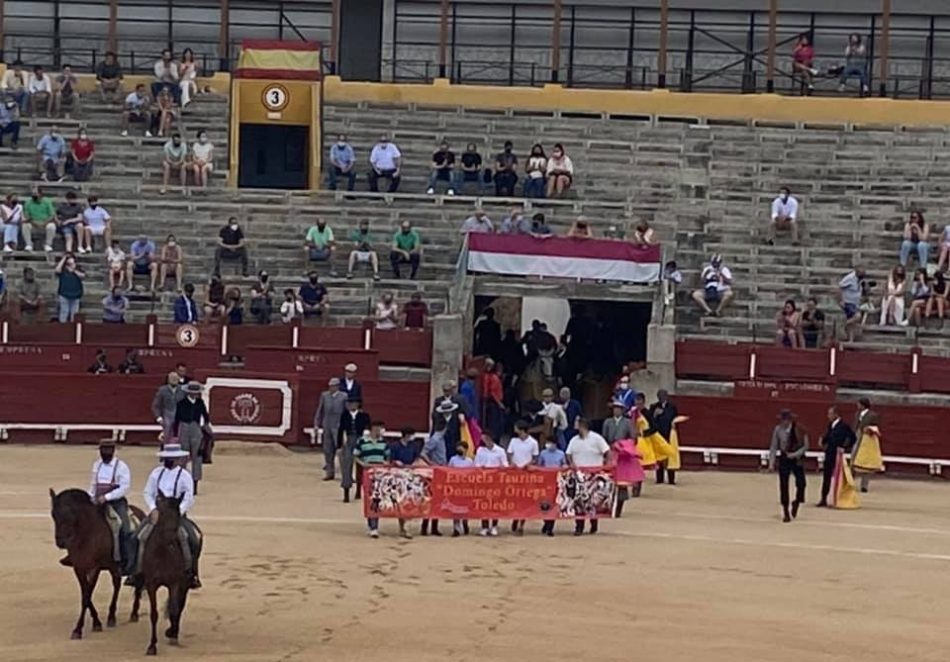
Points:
(172, 451)
(349, 367)
(355, 398)
(446, 407)
(618, 403)
(193, 387)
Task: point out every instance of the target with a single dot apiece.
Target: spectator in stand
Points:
(3, 292)
(943, 261)
(11, 219)
(852, 287)
(539, 229)
(387, 313)
(70, 289)
(314, 296)
(406, 249)
(672, 279)
(855, 64)
(82, 153)
(515, 222)
(231, 246)
(164, 115)
(202, 159)
(384, 161)
(66, 94)
(643, 235)
(40, 87)
(290, 308)
(30, 301)
(784, 215)
(788, 325)
(262, 298)
(892, 305)
(470, 170)
(187, 77)
(115, 258)
(37, 211)
(137, 109)
(716, 280)
(10, 123)
(234, 307)
(214, 298)
(916, 237)
(319, 242)
(174, 159)
(96, 222)
(536, 172)
(803, 61)
(560, 172)
(442, 168)
(813, 325)
(186, 310)
(415, 312)
(478, 223)
(114, 307)
(166, 76)
(362, 252)
(14, 85)
(131, 364)
(51, 155)
(142, 262)
(920, 293)
(342, 160)
(506, 170)
(172, 260)
(68, 223)
(101, 365)
(580, 229)
(109, 77)
(938, 297)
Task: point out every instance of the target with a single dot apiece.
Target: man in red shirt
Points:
(492, 397)
(416, 312)
(82, 151)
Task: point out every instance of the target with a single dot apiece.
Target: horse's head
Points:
(169, 512)
(67, 509)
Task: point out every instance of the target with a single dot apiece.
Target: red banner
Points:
(443, 493)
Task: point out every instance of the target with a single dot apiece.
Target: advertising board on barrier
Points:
(443, 493)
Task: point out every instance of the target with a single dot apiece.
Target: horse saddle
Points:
(115, 525)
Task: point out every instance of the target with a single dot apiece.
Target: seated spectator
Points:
(10, 123)
(166, 76)
(233, 307)
(231, 246)
(214, 297)
(174, 159)
(69, 290)
(855, 64)
(938, 297)
(115, 258)
(101, 365)
(202, 159)
(143, 262)
(478, 223)
(290, 308)
(138, 108)
(536, 172)
(813, 325)
(96, 222)
(114, 307)
(943, 261)
(803, 57)
(109, 77)
(11, 219)
(82, 153)
(30, 301)
(406, 249)
(515, 222)
(342, 160)
(319, 242)
(262, 298)
(506, 174)
(415, 312)
(920, 292)
(643, 235)
(470, 170)
(186, 310)
(539, 229)
(313, 296)
(68, 222)
(131, 364)
(916, 238)
(187, 77)
(164, 115)
(362, 252)
(580, 229)
(387, 313)
(852, 289)
(40, 88)
(672, 278)
(14, 85)
(37, 211)
(51, 155)
(560, 172)
(716, 280)
(892, 305)
(66, 95)
(784, 215)
(442, 168)
(3, 292)
(172, 263)
(384, 160)
(788, 325)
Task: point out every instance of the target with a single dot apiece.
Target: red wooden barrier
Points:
(336, 337)
(404, 347)
(697, 359)
(312, 361)
(246, 335)
(806, 365)
(873, 369)
(131, 335)
(41, 333)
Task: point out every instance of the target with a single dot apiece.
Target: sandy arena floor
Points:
(703, 572)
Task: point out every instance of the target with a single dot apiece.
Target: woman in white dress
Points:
(187, 76)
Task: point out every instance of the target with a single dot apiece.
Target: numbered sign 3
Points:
(275, 97)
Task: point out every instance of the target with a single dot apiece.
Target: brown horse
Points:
(82, 530)
(163, 564)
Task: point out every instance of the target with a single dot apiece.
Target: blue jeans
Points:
(372, 523)
(68, 308)
(333, 175)
(922, 249)
(855, 70)
(440, 174)
(13, 128)
(461, 177)
(534, 187)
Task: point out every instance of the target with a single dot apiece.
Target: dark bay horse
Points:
(163, 564)
(82, 530)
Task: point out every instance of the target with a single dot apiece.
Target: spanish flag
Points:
(272, 59)
(471, 435)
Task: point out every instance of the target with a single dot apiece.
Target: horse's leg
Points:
(174, 612)
(116, 585)
(134, 617)
(153, 616)
(83, 601)
(93, 579)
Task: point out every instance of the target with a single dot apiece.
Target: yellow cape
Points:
(868, 458)
(674, 464)
(845, 495)
(653, 448)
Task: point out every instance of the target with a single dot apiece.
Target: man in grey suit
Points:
(618, 426)
(329, 410)
(165, 402)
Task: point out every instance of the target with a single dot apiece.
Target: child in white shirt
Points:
(115, 258)
(290, 308)
(460, 461)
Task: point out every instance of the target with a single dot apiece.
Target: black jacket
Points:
(352, 426)
(355, 391)
(839, 436)
(663, 417)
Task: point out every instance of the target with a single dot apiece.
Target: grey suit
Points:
(618, 429)
(163, 406)
(329, 410)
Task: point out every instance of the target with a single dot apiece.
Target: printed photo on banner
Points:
(395, 492)
(585, 493)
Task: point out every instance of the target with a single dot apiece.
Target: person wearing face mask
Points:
(10, 123)
(470, 170)
(406, 249)
(387, 313)
(70, 288)
(110, 482)
(191, 419)
(65, 95)
(31, 302)
(362, 252)
(551, 457)
(186, 310)
(784, 216)
(82, 152)
(623, 393)
(442, 167)
(174, 159)
(319, 243)
(202, 159)
(313, 296)
(231, 246)
(11, 219)
(165, 404)
(342, 160)
(214, 297)
(137, 109)
(506, 176)
(384, 160)
(262, 298)
(51, 155)
(96, 222)
(166, 76)
(560, 172)
(172, 260)
(536, 168)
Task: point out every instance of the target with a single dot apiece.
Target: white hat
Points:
(349, 367)
(172, 451)
(446, 407)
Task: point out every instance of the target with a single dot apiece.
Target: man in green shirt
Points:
(38, 211)
(174, 159)
(407, 249)
(319, 242)
(362, 250)
(373, 451)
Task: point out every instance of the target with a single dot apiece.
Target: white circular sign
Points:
(275, 97)
(187, 335)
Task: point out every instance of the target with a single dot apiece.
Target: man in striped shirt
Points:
(371, 451)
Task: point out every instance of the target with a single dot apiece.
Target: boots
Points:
(346, 495)
(785, 516)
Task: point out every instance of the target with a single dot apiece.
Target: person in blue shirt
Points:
(551, 457)
(186, 310)
(114, 306)
(10, 123)
(51, 155)
(624, 393)
(572, 410)
(405, 452)
(142, 261)
(469, 394)
(342, 160)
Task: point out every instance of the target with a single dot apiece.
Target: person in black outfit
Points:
(471, 170)
(838, 435)
(131, 365)
(443, 166)
(353, 423)
(789, 445)
(506, 175)
(488, 335)
(662, 412)
(231, 246)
